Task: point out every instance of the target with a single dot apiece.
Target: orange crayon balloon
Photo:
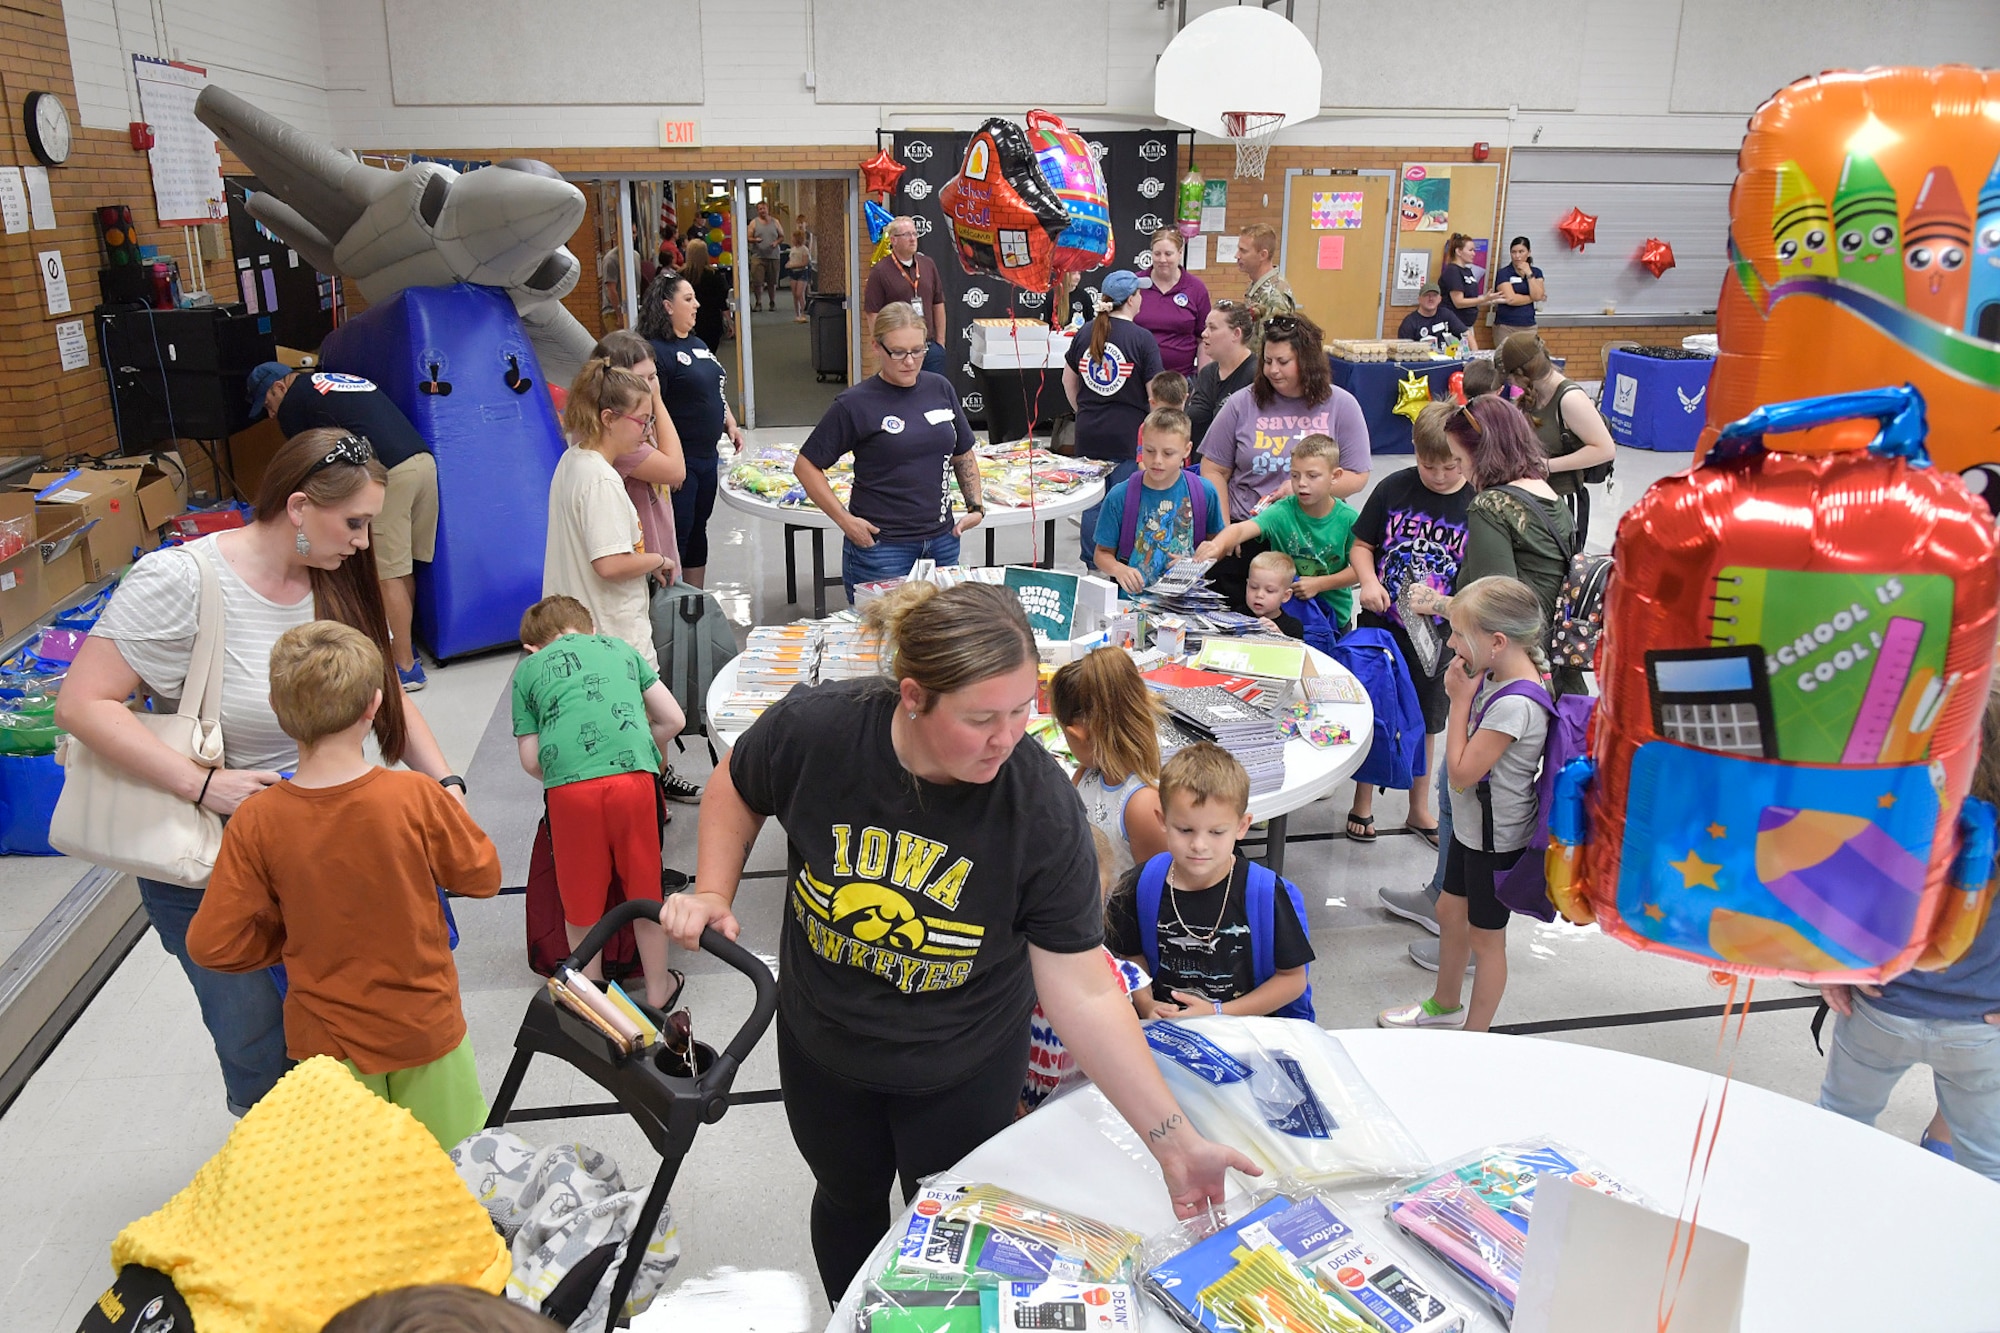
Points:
(1937, 243)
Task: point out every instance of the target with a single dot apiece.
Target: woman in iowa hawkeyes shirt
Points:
(908, 436)
(942, 878)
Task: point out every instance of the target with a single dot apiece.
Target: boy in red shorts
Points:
(592, 719)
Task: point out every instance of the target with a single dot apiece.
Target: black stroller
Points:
(668, 1106)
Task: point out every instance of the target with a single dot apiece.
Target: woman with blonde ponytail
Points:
(1493, 742)
(596, 551)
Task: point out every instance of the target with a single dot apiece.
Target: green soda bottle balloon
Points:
(1867, 238)
(1188, 216)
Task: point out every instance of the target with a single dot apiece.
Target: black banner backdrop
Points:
(1141, 181)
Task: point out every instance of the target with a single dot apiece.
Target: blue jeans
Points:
(1873, 1048)
(1088, 518)
(241, 1011)
(934, 360)
(891, 560)
(1436, 886)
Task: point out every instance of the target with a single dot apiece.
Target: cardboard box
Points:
(163, 491)
(46, 570)
(104, 504)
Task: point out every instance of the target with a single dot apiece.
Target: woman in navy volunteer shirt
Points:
(1461, 285)
(1106, 382)
(1517, 287)
(691, 387)
(908, 435)
(1173, 305)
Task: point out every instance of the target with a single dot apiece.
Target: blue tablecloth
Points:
(1654, 404)
(1373, 384)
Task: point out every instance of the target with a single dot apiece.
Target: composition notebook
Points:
(1855, 663)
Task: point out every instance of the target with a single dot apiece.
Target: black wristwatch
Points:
(453, 780)
(975, 509)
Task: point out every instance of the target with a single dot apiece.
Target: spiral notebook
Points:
(1855, 661)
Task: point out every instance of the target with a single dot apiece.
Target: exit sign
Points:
(679, 133)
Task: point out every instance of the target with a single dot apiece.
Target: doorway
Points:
(798, 312)
(1335, 248)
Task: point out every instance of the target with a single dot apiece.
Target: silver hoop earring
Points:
(303, 543)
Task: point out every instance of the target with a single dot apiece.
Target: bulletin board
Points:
(1470, 205)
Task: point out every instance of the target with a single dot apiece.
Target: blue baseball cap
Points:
(261, 380)
(1119, 287)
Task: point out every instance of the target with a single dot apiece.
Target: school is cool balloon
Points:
(1864, 246)
(1003, 215)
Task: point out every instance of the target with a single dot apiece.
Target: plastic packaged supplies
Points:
(557, 1207)
(1196, 1274)
(975, 1258)
(323, 1194)
(1475, 1213)
(1287, 1094)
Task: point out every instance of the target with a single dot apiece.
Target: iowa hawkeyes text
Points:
(878, 927)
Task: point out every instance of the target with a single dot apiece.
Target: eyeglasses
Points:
(904, 353)
(645, 422)
(1282, 323)
(351, 450)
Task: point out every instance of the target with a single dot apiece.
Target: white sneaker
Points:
(1411, 905)
(1424, 953)
(1420, 1015)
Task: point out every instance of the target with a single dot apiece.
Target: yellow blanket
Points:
(324, 1194)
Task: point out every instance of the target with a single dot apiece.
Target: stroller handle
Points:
(719, 1076)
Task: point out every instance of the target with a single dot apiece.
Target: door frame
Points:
(1388, 240)
(739, 196)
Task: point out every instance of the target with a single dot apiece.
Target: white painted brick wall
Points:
(264, 50)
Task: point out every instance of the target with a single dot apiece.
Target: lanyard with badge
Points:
(912, 275)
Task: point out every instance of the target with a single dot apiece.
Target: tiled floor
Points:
(130, 1103)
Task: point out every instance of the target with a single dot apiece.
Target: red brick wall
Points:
(43, 408)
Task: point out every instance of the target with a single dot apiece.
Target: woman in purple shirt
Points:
(1174, 307)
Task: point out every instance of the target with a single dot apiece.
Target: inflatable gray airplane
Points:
(424, 226)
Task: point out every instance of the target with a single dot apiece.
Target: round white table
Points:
(1850, 1230)
(810, 519)
(1310, 772)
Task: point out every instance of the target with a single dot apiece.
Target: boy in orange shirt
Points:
(335, 875)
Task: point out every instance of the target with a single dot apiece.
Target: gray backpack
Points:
(693, 640)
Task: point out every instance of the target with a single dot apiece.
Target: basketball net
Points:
(1253, 132)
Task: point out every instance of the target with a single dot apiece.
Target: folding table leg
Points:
(819, 573)
(1274, 845)
(791, 567)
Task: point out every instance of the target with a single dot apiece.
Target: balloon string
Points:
(1693, 1186)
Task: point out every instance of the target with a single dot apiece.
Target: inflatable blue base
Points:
(497, 442)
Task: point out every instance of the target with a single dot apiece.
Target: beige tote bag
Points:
(108, 817)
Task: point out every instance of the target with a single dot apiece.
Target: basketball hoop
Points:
(1253, 132)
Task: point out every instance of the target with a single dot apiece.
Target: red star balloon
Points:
(1656, 255)
(1456, 386)
(1578, 228)
(881, 172)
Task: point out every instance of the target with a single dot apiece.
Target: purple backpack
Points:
(1524, 888)
(1128, 523)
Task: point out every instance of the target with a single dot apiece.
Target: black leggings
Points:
(693, 503)
(857, 1141)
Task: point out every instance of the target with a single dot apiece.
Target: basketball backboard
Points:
(1242, 58)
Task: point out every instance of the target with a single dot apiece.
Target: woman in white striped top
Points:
(305, 557)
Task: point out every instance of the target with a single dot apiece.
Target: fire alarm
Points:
(142, 136)
(1481, 151)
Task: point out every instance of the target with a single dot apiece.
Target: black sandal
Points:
(1366, 823)
(1429, 835)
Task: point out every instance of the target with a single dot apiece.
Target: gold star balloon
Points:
(1413, 395)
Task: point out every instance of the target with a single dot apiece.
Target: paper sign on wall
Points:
(1225, 249)
(13, 200)
(72, 345)
(1214, 205)
(1336, 210)
(41, 204)
(55, 282)
(1413, 270)
(1426, 198)
(1197, 252)
(1333, 252)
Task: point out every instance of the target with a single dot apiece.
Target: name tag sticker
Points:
(937, 416)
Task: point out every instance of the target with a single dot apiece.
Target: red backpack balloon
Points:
(1002, 212)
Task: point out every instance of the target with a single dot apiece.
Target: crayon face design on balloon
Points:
(1937, 242)
(1864, 229)
(1801, 226)
(1982, 309)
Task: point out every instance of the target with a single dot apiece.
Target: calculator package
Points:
(1292, 1257)
(1474, 1213)
(1286, 1093)
(974, 1258)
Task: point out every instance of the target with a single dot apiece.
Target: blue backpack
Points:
(1524, 888)
(1261, 892)
(1396, 756)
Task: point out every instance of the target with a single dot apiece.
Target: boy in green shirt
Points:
(591, 718)
(1311, 525)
